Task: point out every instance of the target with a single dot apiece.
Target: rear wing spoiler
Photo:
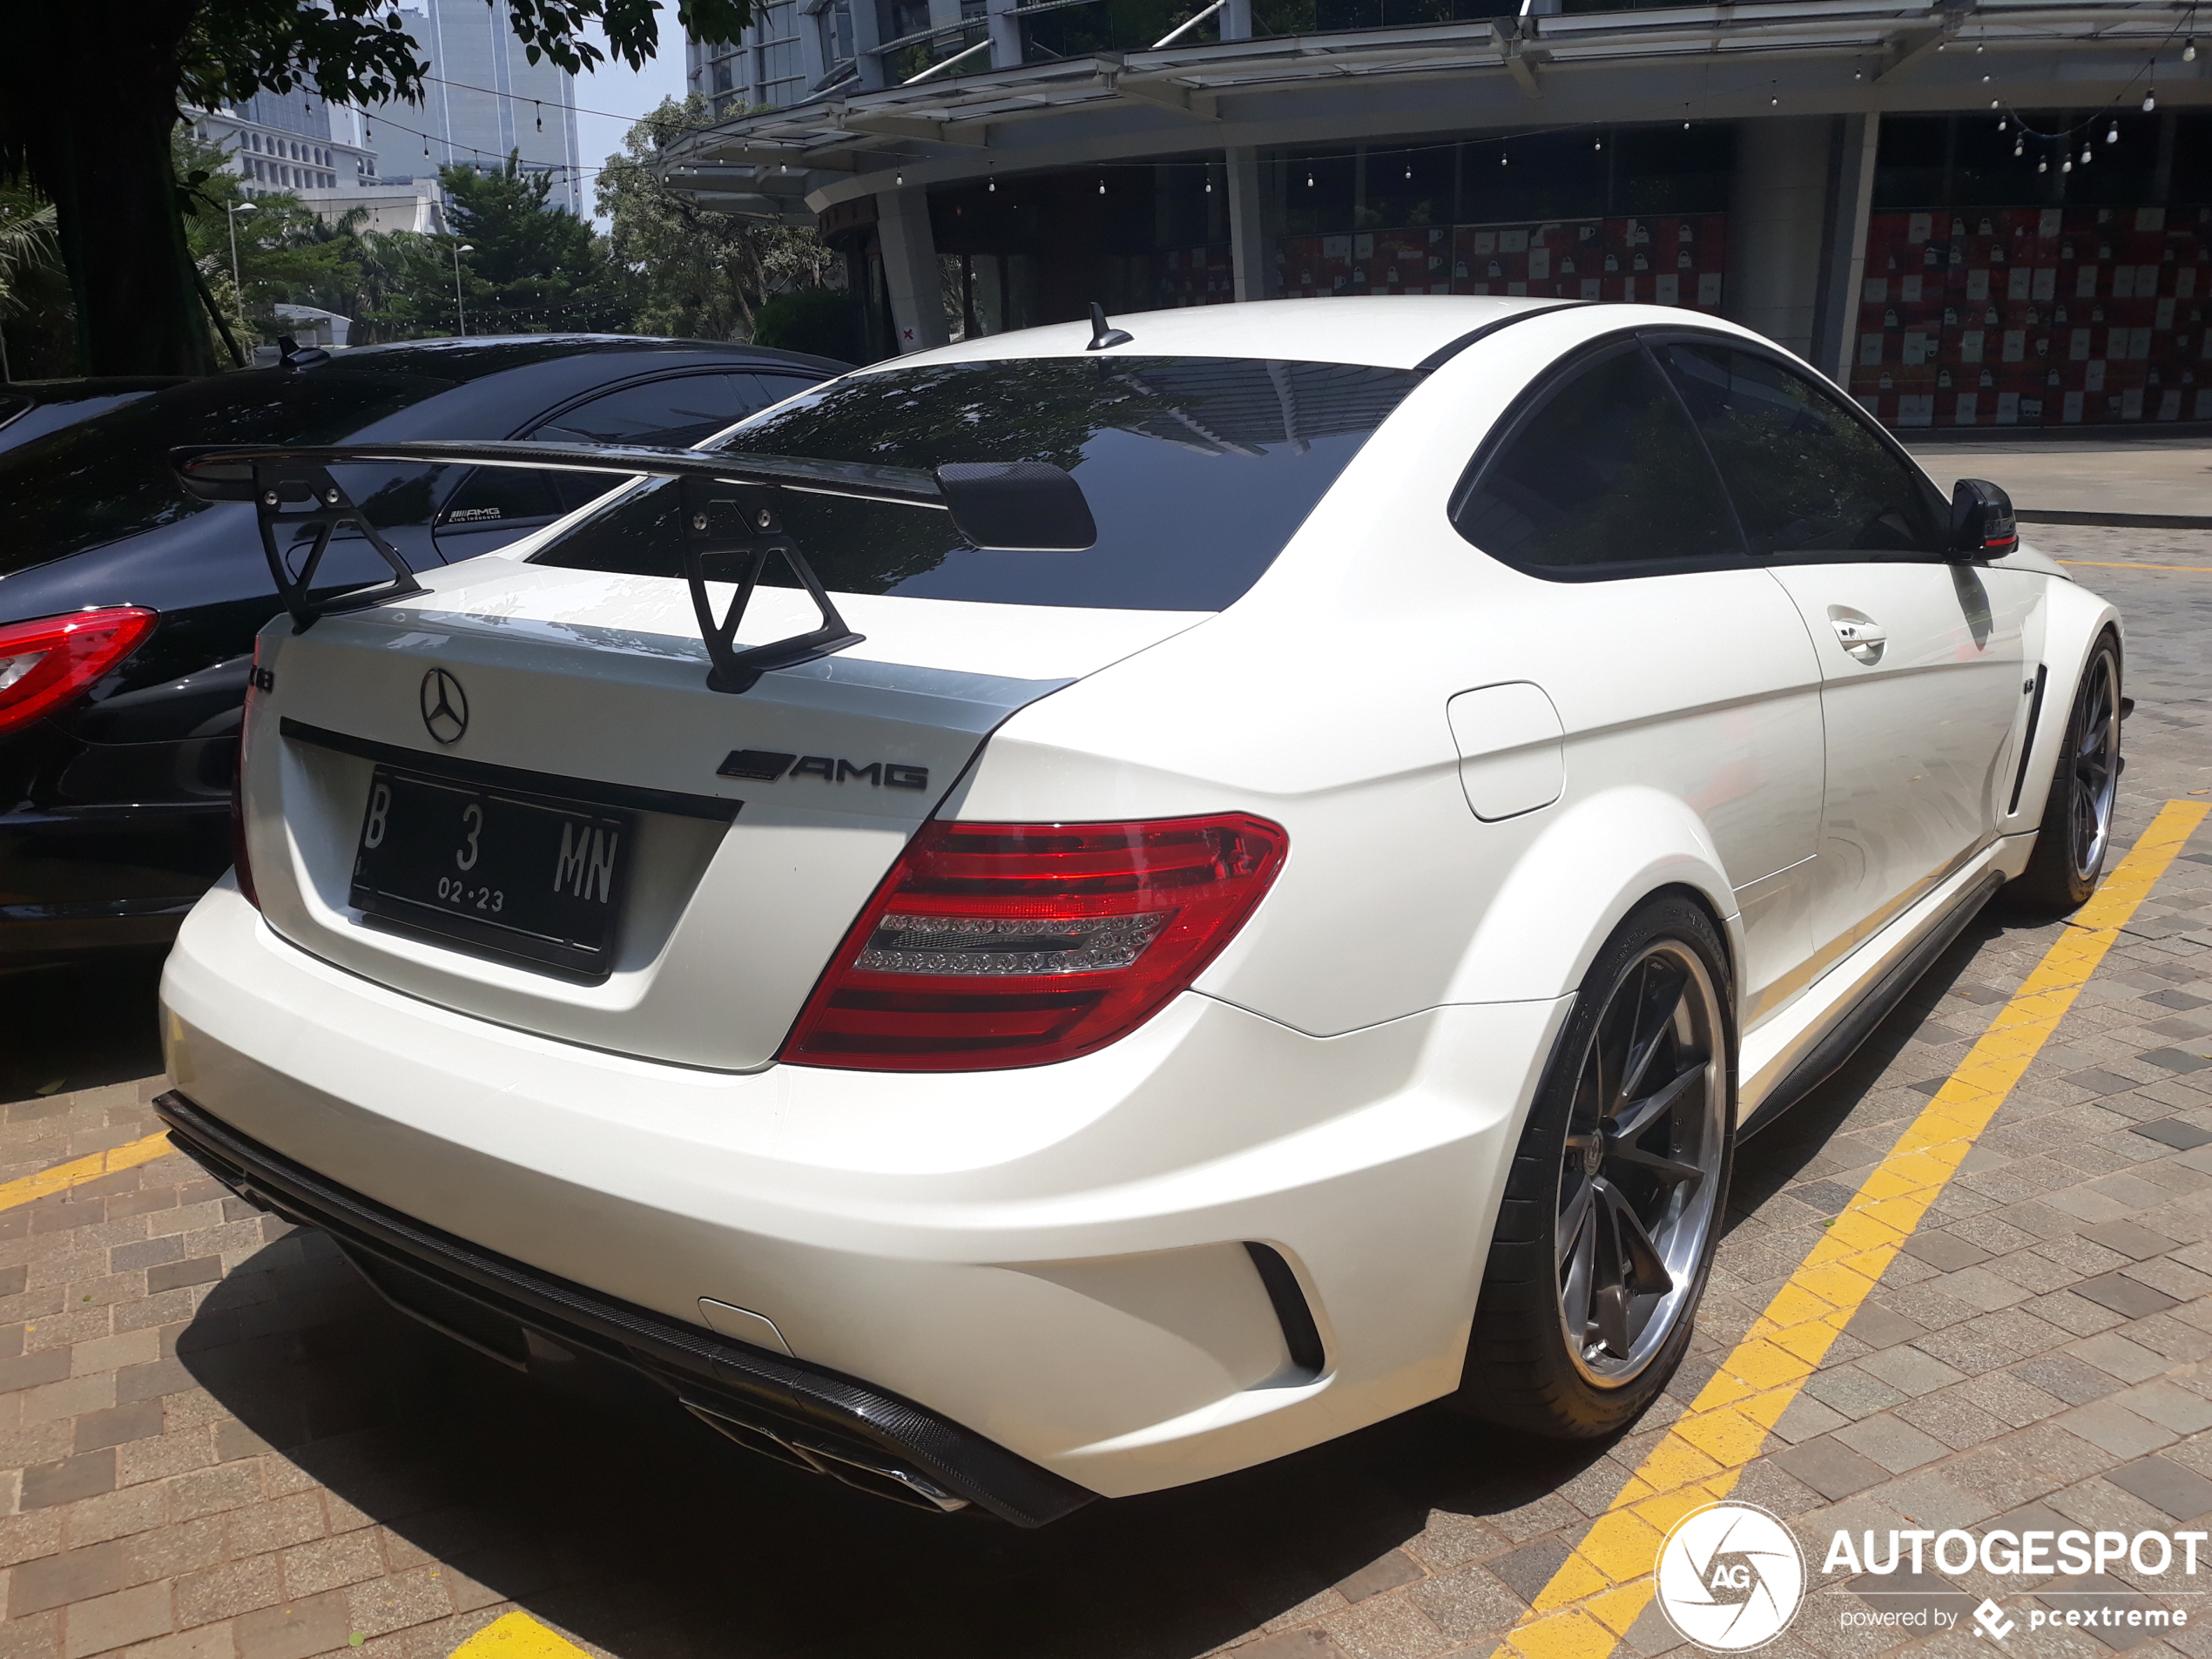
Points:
(730, 519)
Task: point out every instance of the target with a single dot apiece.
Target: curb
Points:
(2116, 521)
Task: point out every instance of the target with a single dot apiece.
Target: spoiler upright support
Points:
(731, 526)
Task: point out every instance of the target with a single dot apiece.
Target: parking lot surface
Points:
(215, 1440)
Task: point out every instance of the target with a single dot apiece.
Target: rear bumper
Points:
(1054, 1261)
(494, 1304)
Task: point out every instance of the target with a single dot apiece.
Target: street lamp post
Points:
(461, 249)
(231, 213)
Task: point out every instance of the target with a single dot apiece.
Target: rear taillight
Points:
(45, 663)
(995, 944)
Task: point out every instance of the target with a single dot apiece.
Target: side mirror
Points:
(1017, 506)
(1981, 521)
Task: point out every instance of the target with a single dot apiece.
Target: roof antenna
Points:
(1101, 335)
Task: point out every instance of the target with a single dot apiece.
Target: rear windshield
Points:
(1197, 471)
(110, 476)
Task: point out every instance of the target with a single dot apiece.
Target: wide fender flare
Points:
(2074, 617)
(1593, 864)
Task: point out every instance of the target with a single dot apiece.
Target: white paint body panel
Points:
(1480, 774)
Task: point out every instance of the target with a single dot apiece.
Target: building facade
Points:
(293, 142)
(1972, 213)
(483, 101)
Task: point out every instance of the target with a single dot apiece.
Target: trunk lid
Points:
(759, 824)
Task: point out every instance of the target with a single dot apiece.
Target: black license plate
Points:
(504, 873)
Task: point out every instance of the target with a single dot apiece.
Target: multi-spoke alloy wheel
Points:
(2091, 771)
(1613, 1200)
(2076, 832)
(1639, 1176)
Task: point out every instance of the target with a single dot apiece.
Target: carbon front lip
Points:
(782, 1395)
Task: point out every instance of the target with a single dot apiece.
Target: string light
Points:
(2188, 50)
(2085, 155)
(2112, 133)
(2150, 101)
(1102, 184)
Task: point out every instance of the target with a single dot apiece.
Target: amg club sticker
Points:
(765, 766)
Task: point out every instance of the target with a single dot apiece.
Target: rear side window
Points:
(670, 414)
(1198, 471)
(108, 476)
(1606, 478)
(1806, 474)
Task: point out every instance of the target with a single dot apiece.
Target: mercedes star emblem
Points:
(445, 706)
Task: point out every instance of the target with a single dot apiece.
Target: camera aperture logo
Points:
(1731, 1577)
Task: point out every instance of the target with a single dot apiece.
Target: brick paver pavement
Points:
(217, 1443)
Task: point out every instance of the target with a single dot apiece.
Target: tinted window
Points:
(1806, 473)
(108, 476)
(674, 414)
(495, 494)
(1605, 479)
(1196, 469)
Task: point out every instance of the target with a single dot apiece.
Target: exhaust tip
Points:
(880, 1477)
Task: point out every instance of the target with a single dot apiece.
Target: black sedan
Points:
(128, 608)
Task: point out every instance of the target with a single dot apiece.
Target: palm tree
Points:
(26, 241)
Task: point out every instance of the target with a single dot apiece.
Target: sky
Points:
(627, 95)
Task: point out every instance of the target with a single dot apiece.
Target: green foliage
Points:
(531, 268)
(705, 276)
(819, 321)
(34, 293)
(88, 95)
(286, 253)
(358, 51)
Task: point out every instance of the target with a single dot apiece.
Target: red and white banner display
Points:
(1668, 260)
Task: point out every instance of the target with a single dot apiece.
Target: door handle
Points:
(1862, 638)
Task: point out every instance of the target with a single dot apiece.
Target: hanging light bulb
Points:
(1501, 159)
(1600, 144)
(2066, 166)
(2018, 146)
(995, 187)
(2085, 155)
(2001, 125)
(1102, 184)
(1208, 186)
(1409, 171)
(1309, 178)
(2042, 166)
(2150, 101)
(2112, 133)
(2188, 50)
(899, 178)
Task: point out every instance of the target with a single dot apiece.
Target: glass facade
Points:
(2010, 282)
(1622, 213)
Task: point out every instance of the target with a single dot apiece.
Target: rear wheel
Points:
(2076, 832)
(1614, 1202)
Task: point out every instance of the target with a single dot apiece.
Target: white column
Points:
(1777, 214)
(1248, 249)
(910, 269)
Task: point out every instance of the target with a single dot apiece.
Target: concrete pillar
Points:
(910, 269)
(1836, 333)
(1778, 216)
(1005, 33)
(868, 34)
(1248, 251)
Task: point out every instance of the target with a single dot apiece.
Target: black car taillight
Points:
(46, 662)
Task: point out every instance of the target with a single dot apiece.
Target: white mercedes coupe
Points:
(1064, 915)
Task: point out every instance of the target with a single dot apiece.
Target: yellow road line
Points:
(2133, 564)
(1602, 1587)
(77, 1171)
(517, 1635)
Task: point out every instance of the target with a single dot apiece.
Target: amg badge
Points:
(766, 766)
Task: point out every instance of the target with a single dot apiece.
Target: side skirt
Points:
(1855, 1024)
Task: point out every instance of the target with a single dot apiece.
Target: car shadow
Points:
(598, 1505)
(79, 1025)
(1771, 1159)
(602, 1507)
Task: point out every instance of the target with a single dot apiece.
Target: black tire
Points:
(1561, 1256)
(2075, 835)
